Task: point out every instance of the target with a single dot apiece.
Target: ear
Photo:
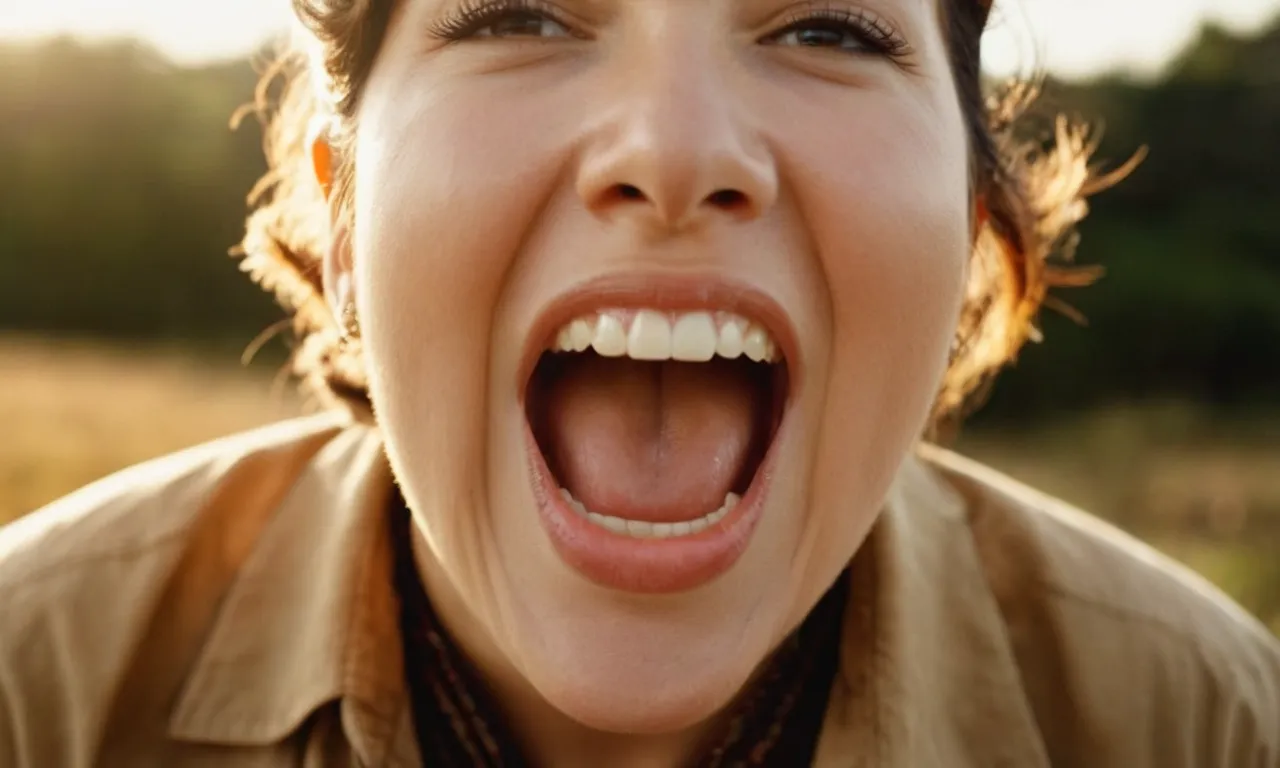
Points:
(321, 153)
(337, 268)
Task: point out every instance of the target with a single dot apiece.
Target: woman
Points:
(637, 312)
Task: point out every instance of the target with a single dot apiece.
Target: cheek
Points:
(444, 197)
(437, 211)
(447, 188)
(452, 172)
(886, 197)
(887, 200)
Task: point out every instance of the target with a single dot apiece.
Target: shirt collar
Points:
(312, 616)
(927, 674)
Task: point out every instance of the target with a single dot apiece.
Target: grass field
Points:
(1205, 491)
(70, 414)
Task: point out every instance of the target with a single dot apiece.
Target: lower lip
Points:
(646, 566)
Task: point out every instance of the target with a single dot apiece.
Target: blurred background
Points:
(123, 321)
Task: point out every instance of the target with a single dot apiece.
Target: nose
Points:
(676, 149)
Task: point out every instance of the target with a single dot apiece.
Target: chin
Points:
(656, 684)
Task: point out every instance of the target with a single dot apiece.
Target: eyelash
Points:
(868, 29)
(475, 15)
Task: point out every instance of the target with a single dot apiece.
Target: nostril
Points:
(629, 192)
(727, 198)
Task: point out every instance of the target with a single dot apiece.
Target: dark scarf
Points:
(458, 724)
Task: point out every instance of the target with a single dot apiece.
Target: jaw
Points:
(645, 658)
(683, 638)
(638, 661)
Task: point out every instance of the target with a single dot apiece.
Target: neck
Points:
(549, 738)
(545, 735)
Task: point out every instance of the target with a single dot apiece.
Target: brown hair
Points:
(1033, 192)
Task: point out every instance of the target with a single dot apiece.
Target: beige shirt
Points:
(232, 605)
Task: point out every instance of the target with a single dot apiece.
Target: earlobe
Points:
(344, 308)
(339, 287)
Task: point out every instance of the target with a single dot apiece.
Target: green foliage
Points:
(123, 189)
(1190, 303)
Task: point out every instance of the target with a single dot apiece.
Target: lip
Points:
(648, 566)
(668, 565)
(673, 293)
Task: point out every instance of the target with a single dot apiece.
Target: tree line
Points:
(122, 189)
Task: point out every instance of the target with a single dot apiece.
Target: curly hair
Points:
(1032, 190)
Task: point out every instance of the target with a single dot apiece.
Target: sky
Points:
(1070, 38)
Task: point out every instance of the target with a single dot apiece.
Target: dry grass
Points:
(1206, 492)
(71, 414)
(1151, 467)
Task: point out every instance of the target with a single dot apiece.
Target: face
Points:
(698, 263)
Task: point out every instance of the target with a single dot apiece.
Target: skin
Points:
(486, 180)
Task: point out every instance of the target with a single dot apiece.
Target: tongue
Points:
(662, 442)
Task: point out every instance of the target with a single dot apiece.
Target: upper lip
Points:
(663, 291)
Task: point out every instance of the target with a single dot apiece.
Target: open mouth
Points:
(652, 430)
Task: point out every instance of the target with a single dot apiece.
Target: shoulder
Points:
(82, 579)
(138, 510)
(1112, 636)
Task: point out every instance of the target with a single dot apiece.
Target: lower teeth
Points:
(641, 529)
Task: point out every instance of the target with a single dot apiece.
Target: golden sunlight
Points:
(185, 30)
(1075, 39)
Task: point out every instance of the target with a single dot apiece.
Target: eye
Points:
(501, 19)
(523, 24)
(816, 35)
(849, 31)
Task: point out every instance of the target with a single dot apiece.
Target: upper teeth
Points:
(648, 334)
